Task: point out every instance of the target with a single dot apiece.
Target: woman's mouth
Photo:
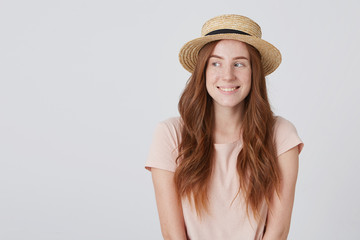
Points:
(228, 89)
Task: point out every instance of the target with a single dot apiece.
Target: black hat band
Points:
(221, 31)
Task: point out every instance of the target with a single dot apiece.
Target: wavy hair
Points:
(257, 166)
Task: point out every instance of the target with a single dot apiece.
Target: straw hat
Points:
(234, 27)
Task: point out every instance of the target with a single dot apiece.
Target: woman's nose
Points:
(228, 73)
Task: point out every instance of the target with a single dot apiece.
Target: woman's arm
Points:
(279, 215)
(169, 207)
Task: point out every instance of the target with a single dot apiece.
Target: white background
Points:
(83, 84)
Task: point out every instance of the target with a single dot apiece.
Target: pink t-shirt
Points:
(226, 220)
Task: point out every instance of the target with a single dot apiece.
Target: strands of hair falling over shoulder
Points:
(196, 148)
(257, 162)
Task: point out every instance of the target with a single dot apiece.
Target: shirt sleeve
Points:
(163, 150)
(286, 136)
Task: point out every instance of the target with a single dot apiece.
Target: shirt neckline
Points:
(228, 144)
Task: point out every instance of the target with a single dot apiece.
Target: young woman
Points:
(227, 167)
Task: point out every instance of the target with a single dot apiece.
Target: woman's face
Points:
(228, 74)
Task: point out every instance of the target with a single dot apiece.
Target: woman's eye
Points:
(216, 64)
(238, 64)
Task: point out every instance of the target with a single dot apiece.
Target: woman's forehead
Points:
(230, 49)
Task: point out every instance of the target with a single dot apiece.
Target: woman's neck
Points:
(227, 123)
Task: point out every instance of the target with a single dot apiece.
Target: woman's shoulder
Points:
(171, 127)
(283, 124)
(164, 147)
(286, 135)
(175, 122)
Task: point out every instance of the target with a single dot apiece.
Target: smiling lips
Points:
(228, 89)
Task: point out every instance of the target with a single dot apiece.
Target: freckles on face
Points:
(228, 73)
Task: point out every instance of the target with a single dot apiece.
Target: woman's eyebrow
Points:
(216, 56)
(235, 58)
(240, 57)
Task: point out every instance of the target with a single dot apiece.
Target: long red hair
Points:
(256, 163)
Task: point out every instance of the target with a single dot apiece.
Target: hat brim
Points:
(270, 55)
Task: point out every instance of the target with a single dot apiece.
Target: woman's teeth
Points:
(228, 89)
